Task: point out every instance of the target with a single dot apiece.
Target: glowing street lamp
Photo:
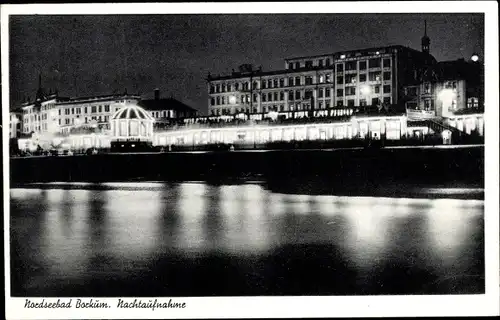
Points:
(474, 58)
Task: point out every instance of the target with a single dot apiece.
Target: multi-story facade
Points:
(53, 114)
(95, 110)
(50, 114)
(349, 79)
(450, 87)
(15, 123)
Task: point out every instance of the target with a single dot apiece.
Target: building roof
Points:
(101, 98)
(132, 111)
(362, 50)
(458, 69)
(165, 104)
(336, 55)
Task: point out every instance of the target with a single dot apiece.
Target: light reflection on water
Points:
(78, 233)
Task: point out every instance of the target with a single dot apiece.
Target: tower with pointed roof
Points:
(426, 41)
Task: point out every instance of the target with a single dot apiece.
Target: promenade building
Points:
(166, 111)
(50, 114)
(323, 84)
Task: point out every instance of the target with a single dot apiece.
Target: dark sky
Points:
(92, 55)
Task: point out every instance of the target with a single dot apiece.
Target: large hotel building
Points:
(323, 83)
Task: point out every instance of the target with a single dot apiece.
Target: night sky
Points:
(94, 55)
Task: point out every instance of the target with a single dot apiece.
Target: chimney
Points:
(157, 94)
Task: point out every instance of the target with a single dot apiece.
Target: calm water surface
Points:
(195, 239)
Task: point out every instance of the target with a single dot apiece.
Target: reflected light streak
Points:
(65, 237)
(449, 226)
(191, 208)
(369, 230)
(133, 215)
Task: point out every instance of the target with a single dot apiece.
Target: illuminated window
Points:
(427, 104)
(427, 88)
(350, 78)
(374, 76)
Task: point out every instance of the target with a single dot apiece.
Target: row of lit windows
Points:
(309, 64)
(349, 65)
(300, 106)
(86, 120)
(372, 76)
(362, 65)
(294, 95)
(308, 80)
(78, 110)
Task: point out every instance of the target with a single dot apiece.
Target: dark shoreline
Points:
(377, 172)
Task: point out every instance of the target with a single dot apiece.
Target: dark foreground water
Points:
(195, 239)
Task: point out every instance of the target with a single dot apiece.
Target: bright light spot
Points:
(232, 99)
(446, 94)
(342, 56)
(474, 58)
(366, 90)
(377, 52)
(446, 134)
